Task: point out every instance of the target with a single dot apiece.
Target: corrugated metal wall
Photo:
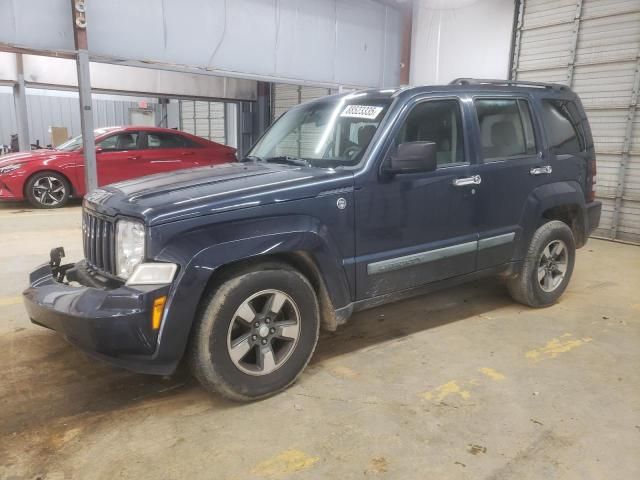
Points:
(593, 46)
(204, 119)
(62, 109)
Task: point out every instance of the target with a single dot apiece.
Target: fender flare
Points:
(542, 199)
(203, 252)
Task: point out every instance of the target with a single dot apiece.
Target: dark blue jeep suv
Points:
(346, 202)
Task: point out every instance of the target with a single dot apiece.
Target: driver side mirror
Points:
(413, 157)
(99, 150)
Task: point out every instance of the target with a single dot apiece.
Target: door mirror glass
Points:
(413, 157)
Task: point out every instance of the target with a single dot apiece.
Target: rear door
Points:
(119, 157)
(512, 164)
(165, 152)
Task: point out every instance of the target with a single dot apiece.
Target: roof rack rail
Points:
(514, 83)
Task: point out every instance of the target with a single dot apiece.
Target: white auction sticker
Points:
(361, 111)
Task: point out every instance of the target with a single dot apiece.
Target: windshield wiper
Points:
(299, 162)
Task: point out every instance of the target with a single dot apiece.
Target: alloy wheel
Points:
(263, 332)
(552, 265)
(49, 190)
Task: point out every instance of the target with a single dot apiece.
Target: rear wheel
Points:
(255, 333)
(547, 267)
(47, 190)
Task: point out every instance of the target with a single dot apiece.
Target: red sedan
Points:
(47, 178)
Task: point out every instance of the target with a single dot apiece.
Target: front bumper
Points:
(112, 324)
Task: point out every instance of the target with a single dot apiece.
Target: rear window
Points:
(562, 124)
(165, 140)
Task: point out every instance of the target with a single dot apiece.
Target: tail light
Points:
(592, 170)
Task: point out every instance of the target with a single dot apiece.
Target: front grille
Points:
(99, 242)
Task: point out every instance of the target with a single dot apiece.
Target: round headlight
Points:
(129, 246)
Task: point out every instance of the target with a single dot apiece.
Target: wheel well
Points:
(572, 216)
(72, 190)
(300, 261)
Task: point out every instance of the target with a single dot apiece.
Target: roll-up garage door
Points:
(593, 46)
(204, 119)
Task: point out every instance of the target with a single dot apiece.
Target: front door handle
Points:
(134, 157)
(463, 182)
(546, 170)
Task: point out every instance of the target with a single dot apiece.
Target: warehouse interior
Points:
(462, 383)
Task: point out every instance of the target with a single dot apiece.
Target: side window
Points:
(165, 140)
(563, 126)
(506, 129)
(120, 141)
(438, 121)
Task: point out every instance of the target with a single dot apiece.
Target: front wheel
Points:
(547, 267)
(47, 190)
(255, 333)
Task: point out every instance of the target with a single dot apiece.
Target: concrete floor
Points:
(462, 384)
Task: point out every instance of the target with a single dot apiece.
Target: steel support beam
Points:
(20, 100)
(517, 41)
(626, 149)
(84, 90)
(263, 108)
(405, 52)
(574, 43)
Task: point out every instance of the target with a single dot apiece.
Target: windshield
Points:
(76, 142)
(69, 145)
(330, 133)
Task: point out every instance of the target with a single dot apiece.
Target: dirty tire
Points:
(526, 287)
(210, 357)
(47, 190)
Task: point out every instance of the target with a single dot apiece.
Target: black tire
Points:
(48, 190)
(210, 356)
(526, 287)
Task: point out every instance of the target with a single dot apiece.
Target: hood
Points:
(208, 190)
(34, 155)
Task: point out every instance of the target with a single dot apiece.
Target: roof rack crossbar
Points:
(515, 83)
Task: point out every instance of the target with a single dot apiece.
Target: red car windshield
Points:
(76, 142)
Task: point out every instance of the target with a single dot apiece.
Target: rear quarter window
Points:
(562, 124)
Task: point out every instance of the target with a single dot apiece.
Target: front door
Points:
(118, 158)
(417, 228)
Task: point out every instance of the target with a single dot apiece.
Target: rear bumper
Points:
(113, 325)
(592, 217)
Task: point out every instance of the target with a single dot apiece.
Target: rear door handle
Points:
(546, 170)
(463, 182)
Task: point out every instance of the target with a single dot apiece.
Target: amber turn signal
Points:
(158, 309)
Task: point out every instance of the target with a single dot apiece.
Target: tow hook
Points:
(58, 271)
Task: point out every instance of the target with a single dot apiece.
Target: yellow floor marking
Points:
(556, 346)
(492, 374)
(341, 371)
(8, 301)
(289, 461)
(443, 391)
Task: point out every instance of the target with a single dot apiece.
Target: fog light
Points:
(158, 310)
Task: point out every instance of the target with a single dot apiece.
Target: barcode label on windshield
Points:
(361, 111)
